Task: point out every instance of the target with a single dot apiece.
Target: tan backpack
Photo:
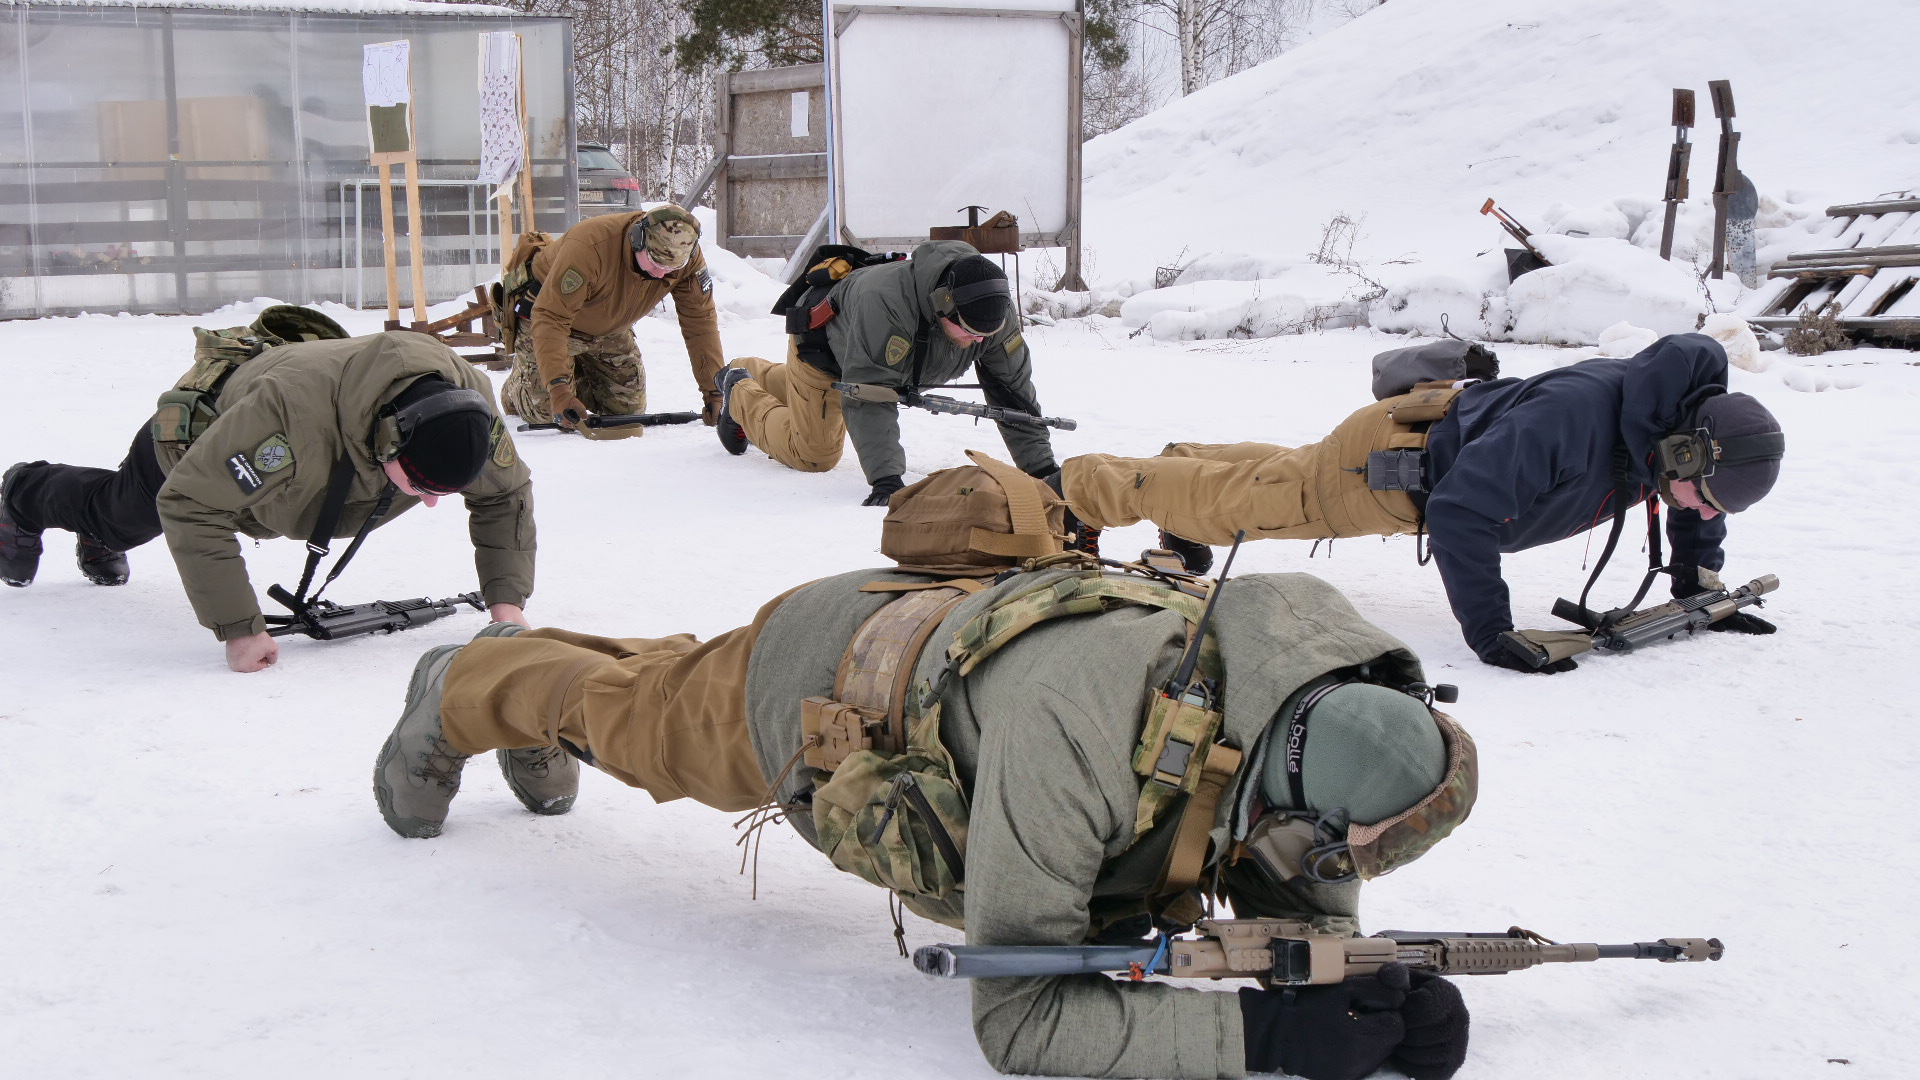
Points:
(973, 520)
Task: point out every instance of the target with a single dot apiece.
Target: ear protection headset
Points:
(947, 301)
(1695, 453)
(394, 428)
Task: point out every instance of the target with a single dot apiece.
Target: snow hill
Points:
(1411, 116)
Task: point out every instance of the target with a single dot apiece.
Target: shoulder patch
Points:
(500, 445)
(897, 350)
(571, 281)
(273, 455)
(244, 475)
(706, 281)
(1014, 342)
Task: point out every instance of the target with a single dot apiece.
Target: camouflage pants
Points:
(607, 376)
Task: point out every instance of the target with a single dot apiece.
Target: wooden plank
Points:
(777, 166)
(797, 77)
(1886, 207)
(1847, 254)
(415, 256)
(387, 254)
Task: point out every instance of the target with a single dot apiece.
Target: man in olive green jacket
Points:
(264, 467)
(912, 325)
(1042, 736)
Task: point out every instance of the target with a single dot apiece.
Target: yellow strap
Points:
(1188, 857)
(1017, 544)
(966, 585)
(1023, 503)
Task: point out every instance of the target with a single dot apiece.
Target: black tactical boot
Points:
(19, 548)
(731, 434)
(101, 564)
(1081, 537)
(1198, 558)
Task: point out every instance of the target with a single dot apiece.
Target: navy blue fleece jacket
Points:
(1522, 462)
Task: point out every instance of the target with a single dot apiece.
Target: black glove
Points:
(1435, 1045)
(1742, 623)
(883, 490)
(1500, 657)
(1340, 1032)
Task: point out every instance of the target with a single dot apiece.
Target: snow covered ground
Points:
(197, 882)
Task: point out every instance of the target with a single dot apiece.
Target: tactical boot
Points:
(418, 774)
(1081, 537)
(101, 564)
(1198, 558)
(732, 436)
(19, 548)
(544, 778)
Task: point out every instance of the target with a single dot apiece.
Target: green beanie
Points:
(1373, 750)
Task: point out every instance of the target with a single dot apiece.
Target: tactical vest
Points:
(185, 412)
(513, 295)
(894, 811)
(808, 306)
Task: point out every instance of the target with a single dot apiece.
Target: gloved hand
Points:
(561, 400)
(1435, 1045)
(1500, 657)
(883, 490)
(1742, 623)
(1340, 1032)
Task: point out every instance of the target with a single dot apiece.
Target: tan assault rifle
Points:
(1288, 953)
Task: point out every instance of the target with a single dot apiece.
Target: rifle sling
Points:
(319, 542)
(1624, 488)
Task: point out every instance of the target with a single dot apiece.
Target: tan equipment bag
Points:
(975, 520)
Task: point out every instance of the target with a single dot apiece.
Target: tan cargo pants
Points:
(667, 715)
(1205, 493)
(791, 411)
(608, 377)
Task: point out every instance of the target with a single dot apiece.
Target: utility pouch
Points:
(1397, 470)
(185, 412)
(834, 729)
(182, 417)
(1173, 749)
(900, 822)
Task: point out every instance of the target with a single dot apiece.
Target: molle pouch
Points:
(1397, 470)
(900, 822)
(841, 729)
(1173, 747)
(183, 416)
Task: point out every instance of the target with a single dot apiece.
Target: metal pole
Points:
(1076, 77)
(828, 56)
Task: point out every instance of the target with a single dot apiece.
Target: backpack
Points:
(1398, 371)
(513, 295)
(185, 412)
(807, 305)
(973, 520)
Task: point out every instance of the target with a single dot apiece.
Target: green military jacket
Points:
(885, 334)
(262, 469)
(1043, 734)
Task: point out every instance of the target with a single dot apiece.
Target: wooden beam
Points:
(1891, 206)
(388, 254)
(777, 166)
(797, 77)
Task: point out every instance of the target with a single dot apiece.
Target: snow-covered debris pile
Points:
(1209, 300)
(1412, 115)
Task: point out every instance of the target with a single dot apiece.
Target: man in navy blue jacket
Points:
(1513, 464)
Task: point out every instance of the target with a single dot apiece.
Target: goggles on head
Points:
(947, 302)
(1328, 849)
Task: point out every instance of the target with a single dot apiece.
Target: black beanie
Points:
(1737, 484)
(443, 452)
(982, 308)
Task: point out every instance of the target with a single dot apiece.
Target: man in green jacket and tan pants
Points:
(406, 413)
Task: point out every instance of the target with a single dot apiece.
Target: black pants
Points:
(113, 506)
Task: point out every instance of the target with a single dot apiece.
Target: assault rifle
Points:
(618, 420)
(934, 403)
(324, 620)
(1623, 633)
(1287, 953)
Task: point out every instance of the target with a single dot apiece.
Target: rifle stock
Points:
(324, 620)
(1284, 952)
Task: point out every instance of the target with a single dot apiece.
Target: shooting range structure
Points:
(178, 159)
(1865, 277)
(1678, 160)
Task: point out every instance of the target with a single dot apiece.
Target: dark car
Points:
(605, 187)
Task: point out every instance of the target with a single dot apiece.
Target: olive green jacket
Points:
(886, 334)
(262, 469)
(1043, 734)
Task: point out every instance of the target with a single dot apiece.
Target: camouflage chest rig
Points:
(894, 811)
(185, 412)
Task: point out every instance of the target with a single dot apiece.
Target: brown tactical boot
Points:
(19, 548)
(101, 564)
(544, 778)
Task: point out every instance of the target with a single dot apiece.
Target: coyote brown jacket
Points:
(263, 468)
(1042, 734)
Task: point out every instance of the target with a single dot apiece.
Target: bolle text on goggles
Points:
(947, 302)
(1327, 848)
(1695, 455)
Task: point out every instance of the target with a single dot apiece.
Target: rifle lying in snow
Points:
(933, 403)
(618, 420)
(1623, 632)
(1287, 953)
(324, 620)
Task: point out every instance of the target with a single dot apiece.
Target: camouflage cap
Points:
(667, 233)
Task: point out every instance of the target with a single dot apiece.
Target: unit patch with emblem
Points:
(500, 445)
(1014, 342)
(571, 281)
(706, 281)
(273, 455)
(244, 475)
(897, 350)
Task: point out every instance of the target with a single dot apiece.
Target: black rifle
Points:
(1625, 631)
(645, 419)
(934, 403)
(324, 620)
